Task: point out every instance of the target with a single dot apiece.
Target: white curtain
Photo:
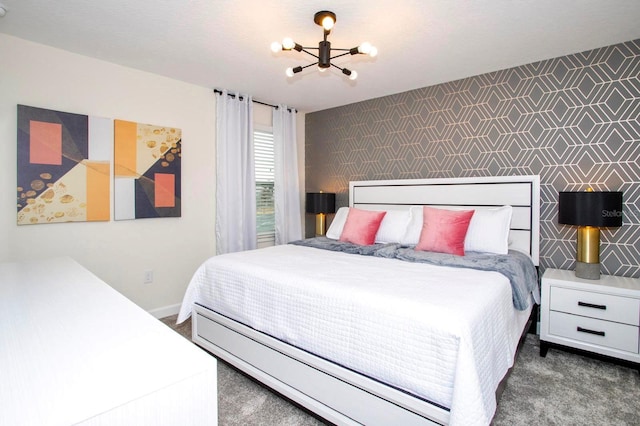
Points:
(286, 185)
(235, 176)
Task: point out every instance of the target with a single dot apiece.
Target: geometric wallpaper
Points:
(573, 120)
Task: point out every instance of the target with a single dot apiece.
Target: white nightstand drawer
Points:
(598, 332)
(596, 305)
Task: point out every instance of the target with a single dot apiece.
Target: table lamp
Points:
(589, 210)
(320, 204)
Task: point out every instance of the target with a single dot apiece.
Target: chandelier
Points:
(326, 20)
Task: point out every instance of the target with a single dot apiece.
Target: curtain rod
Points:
(232, 95)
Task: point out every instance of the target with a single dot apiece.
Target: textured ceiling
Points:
(225, 44)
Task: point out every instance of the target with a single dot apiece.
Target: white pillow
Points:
(414, 227)
(335, 229)
(489, 230)
(391, 230)
(393, 226)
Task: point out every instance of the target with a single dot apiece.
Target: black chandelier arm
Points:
(312, 54)
(295, 70)
(345, 50)
(342, 54)
(310, 65)
(346, 71)
(353, 51)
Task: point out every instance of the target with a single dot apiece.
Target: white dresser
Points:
(75, 351)
(600, 316)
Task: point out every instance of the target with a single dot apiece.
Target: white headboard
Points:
(520, 192)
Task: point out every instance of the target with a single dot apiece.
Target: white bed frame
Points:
(335, 393)
(520, 192)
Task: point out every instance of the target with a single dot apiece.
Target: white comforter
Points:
(447, 335)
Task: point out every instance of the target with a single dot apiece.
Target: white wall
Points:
(117, 252)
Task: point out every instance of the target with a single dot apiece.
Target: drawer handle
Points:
(586, 330)
(591, 305)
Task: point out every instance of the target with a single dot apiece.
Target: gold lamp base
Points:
(588, 258)
(321, 224)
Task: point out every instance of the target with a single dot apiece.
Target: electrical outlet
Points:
(148, 276)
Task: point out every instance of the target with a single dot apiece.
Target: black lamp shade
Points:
(321, 202)
(601, 209)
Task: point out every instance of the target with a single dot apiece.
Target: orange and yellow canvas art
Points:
(63, 166)
(147, 170)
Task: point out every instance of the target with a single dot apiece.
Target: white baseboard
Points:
(166, 311)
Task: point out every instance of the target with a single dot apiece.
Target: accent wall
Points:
(573, 120)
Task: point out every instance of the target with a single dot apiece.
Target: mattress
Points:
(446, 335)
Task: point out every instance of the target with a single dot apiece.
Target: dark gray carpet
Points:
(244, 402)
(561, 389)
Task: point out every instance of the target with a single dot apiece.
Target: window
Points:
(264, 168)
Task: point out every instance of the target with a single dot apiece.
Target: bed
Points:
(360, 335)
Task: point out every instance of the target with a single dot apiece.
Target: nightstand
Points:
(597, 316)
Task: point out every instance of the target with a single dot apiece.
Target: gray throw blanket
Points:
(516, 266)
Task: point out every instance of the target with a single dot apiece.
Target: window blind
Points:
(264, 169)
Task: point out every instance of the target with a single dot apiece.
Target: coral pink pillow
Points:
(444, 231)
(361, 226)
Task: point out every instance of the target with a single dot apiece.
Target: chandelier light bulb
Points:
(373, 52)
(328, 23)
(365, 48)
(349, 73)
(288, 43)
(276, 47)
(289, 72)
(321, 69)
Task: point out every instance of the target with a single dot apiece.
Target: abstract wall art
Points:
(63, 166)
(147, 171)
